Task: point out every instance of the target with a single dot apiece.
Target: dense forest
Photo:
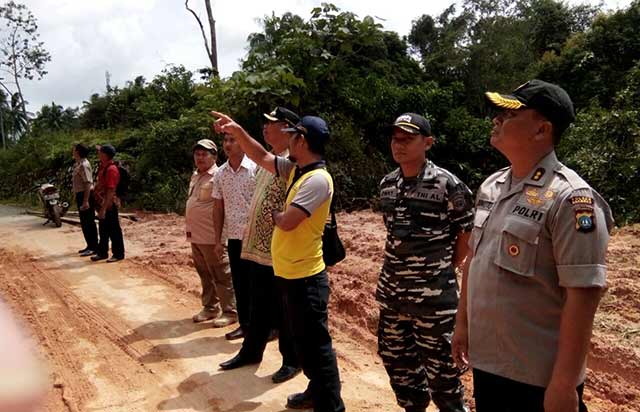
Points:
(359, 77)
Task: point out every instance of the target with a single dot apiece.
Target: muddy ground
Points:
(118, 337)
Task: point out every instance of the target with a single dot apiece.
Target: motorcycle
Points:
(54, 210)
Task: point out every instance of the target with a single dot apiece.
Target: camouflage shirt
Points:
(423, 216)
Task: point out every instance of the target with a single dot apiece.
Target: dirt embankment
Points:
(107, 347)
(613, 383)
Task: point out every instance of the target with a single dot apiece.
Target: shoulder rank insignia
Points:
(585, 221)
(537, 175)
(581, 200)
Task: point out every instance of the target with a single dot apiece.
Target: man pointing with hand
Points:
(296, 248)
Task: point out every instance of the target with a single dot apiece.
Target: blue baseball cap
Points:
(107, 149)
(312, 127)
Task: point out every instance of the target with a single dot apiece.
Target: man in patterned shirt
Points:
(233, 187)
(428, 213)
(265, 303)
(296, 249)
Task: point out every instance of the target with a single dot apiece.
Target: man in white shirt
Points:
(233, 187)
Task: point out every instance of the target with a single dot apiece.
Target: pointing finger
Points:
(220, 115)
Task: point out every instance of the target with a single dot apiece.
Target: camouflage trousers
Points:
(416, 352)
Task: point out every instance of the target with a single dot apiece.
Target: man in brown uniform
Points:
(532, 286)
(83, 189)
(218, 300)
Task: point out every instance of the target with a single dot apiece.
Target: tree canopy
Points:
(359, 77)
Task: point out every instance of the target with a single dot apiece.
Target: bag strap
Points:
(332, 207)
(318, 165)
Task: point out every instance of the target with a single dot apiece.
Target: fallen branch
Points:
(130, 216)
(62, 219)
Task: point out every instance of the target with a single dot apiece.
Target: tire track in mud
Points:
(82, 344)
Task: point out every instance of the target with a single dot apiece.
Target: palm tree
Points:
(13, 120)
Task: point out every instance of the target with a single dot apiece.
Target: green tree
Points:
(13, 122)
(593, 65)
(22, 54)
(54, 117)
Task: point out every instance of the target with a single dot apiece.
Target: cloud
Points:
(128, 38)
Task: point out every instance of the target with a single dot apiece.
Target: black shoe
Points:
(81, 251)
(97, 258)
(87, 252)
(300, 400)
(238, 333)
(285, 373)
(114, 259)
(238, 361)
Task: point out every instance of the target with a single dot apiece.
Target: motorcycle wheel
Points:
(56, 216)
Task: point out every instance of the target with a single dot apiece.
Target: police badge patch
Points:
(585, 221)
(582, 203)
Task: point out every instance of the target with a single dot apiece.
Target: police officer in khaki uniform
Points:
(532, 286)
(428, 213)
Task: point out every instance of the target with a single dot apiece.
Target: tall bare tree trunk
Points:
(210, 44)
(4, 139)
(213, 56)
(15, 77)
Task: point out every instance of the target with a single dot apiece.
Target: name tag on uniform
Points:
(528, 213)
(485, 204)
(432, 195)
(389, 192)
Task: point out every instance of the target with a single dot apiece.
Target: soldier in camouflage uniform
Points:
(428, 213)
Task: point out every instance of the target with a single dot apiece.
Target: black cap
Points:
(282, 114)
(413, 123)
(312, 127)
(107, 149)
(548, 99)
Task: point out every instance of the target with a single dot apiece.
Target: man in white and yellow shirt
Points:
(296, 249)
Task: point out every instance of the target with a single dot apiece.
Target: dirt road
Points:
(118, 337)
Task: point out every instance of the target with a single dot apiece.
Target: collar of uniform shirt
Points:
(428, 165)
(211, 171)
(545, 167)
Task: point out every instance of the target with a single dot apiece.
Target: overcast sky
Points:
(127, 38)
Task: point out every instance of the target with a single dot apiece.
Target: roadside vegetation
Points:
(359, 77)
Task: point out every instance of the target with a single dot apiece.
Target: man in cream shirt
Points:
(218, 300)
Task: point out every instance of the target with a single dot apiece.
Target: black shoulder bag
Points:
(332, 247)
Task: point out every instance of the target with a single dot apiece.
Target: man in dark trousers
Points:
(82, 181)
(107, 201)
(296, 249)
(537, 269)
(233, 186)
(265, 300)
